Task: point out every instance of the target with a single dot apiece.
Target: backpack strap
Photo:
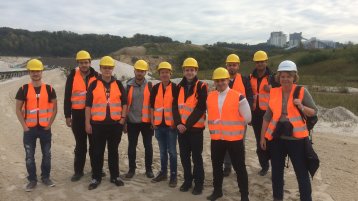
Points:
(295, 96)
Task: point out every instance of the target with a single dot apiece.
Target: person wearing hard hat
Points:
(138, 118)
(189, 117)
(228, 114)
(286, 130)
(262, 80)
(161, 103)
(106, 110)
(74, 108)
(241, 84)
(36, 109)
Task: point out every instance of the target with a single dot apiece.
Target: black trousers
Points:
(237, 154)
(147, 134)
(103, 134)
(79, 132)
(262, 155)
(191, 143)
(295, 149)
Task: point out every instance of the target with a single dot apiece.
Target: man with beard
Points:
(74, 107)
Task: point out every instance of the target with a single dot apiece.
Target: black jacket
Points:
(67, 104)
(200, 108)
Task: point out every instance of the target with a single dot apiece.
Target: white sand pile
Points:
(8, 63)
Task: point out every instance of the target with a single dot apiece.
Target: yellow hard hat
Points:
(190, 62)
(107, 61)
(141, 65)
(232, 58)
(220, 73)
(34, 64)
(260, 56)
(82, 55)
(164, 65)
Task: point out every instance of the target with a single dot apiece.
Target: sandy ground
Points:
(336, 179)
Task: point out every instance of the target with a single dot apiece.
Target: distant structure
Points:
(295, 40)
(315, 43)
(278, 39)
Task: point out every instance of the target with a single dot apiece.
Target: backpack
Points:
(310, 121)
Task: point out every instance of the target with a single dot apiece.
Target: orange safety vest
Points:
(187, 107)
(238, 85)
(100, 102)
(37, 108)
(260, 93)
(163, 104)
(146, 103)
(79, 90)
(230, 125)
(299, 126)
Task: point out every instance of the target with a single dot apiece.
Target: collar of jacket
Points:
(184, 81)
(131, 82)
(112, 79)
(267, 72)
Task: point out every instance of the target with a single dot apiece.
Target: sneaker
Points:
(30, 186)
(130, 174)
(185, 187)
(227, 171)
(76, 177)
(198, 189)
(117, 181)
(149, 174)
(263, 171)
(94, 184)
(160, 177)
(173, 182)
(214, 196)
(48, 182)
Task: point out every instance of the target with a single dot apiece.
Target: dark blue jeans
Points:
(30, 138)
(295, 149)
(167, 140)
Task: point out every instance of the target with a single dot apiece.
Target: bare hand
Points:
(298, 102)
(69, 122)
(122, 121)
(47, 128)
(125, 130)
(263, 144)
(181, 128)
(154, 127)
(26, 129)
(88, 128)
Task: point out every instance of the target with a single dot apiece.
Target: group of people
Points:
(98, 108)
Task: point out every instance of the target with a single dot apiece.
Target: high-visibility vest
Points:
(260, 93)
(163, 104)
(100, 102)
(146, 102)
(79, 90)
(238, 85)
(187, 107)
(37, 109)
(293, 115)
(230, 125)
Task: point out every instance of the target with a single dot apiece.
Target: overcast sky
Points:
(201, 21)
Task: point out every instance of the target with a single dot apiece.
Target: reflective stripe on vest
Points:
(79, 90)
(163, 103)
(293, 115)
(259, 92)
(230, 125)
(238, 85)
(100, 102)
(146, 103)
(38, 109)
(187, 107)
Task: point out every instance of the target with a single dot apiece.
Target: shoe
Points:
(214, 196)
(30, 186)
(76, 177)
(94, 184)
(275, 199)
(160, 177)
(263, 171)
(103, 174)
(227, 171)
(245, 198)
(117, 181)
(173, 182)
(130, 174)
(197, 190)
(48, 182)
(149, 174)
(185, 187)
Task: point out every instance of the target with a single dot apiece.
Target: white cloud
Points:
(201, 21)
